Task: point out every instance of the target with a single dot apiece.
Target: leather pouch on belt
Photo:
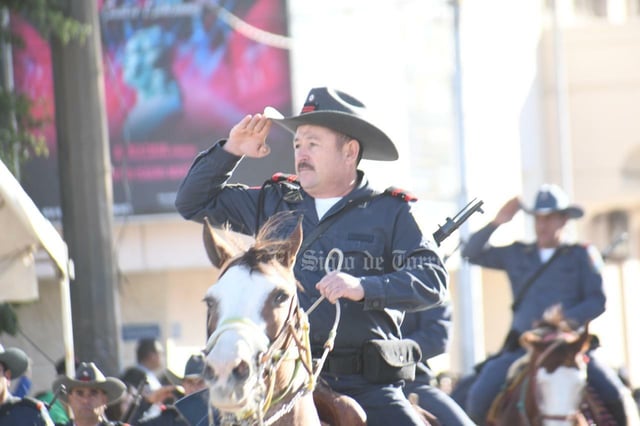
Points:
(386, 361)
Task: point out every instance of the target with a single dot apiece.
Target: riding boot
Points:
(617, 410)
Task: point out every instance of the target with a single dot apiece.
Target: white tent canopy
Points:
(23, 231)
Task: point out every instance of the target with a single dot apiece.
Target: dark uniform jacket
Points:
(381, 241)
(24, 412)
(431, 330)
(169, 416)
(573, 279)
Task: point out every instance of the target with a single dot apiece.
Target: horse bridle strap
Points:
(560, 417)
(275, 354)
(238, 324)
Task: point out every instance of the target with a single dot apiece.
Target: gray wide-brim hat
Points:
(194, 368)
(342, 113)
(550, 199)
(15, 360)
(89, 376)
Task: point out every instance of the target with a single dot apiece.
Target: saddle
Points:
(335, 409)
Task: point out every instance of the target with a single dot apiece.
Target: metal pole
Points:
(468, 290)
(86, 189)
(563, 125)
(67, 321)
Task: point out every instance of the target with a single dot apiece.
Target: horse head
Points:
(558, 369)
(257, 352)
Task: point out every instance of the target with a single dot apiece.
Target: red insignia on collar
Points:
(401, 193)
(281, 177)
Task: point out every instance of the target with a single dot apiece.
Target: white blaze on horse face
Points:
(560, 393)
(239, 338)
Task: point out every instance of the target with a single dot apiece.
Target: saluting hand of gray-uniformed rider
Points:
(507, 211)
(248, 138)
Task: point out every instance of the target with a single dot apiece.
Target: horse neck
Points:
(291, 383)
(532, 407)
(303, 413)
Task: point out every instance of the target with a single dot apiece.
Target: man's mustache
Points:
(303, 165)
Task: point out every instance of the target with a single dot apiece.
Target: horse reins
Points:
(304, 346)
(328, 345)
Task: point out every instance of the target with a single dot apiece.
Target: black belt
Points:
(343, 364)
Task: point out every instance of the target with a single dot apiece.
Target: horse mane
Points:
(269, 245)
(553, 329)
(553, 318)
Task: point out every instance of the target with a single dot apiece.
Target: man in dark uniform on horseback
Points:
(544, 273)
(16, 411)
(390, 267)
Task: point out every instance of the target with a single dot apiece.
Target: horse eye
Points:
(209, 303)
(280, 297)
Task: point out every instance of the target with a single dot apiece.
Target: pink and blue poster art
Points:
(177, 76)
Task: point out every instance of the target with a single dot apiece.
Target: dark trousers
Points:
(385, 404)
(438, 403)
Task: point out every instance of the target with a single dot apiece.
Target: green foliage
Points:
(48, 17)
(8, 319)
(19, 138)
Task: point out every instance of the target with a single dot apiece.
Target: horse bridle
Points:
(270, 360)
(296, 329)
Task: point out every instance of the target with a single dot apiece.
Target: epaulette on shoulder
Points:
(22, 406)
(405, 196)
(595, 257)
(27, 401)
(284, 177)
(289, 185)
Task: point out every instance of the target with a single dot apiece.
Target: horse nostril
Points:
(241, 372)
(209, 374)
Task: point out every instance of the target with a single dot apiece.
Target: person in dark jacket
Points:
(389, 264)
(570, 278)
(15, 411)
(431, 330)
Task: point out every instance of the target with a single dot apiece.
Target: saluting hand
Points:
(335, 285)
(506, 213)
(249, 136)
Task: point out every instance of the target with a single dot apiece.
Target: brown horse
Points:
(258, 360)
(547, 385)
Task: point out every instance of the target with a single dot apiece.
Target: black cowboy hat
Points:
(550, 199)
(89, 376)
(343, 113)
(15, 360)
(193, 369)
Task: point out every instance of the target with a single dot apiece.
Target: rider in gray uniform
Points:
(389, 266)
(572, 278)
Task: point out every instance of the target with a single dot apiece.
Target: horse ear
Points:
(218, 250)
(294, 243)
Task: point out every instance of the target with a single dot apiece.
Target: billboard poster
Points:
(177, 76)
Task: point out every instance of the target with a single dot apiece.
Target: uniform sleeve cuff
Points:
(374, 294)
